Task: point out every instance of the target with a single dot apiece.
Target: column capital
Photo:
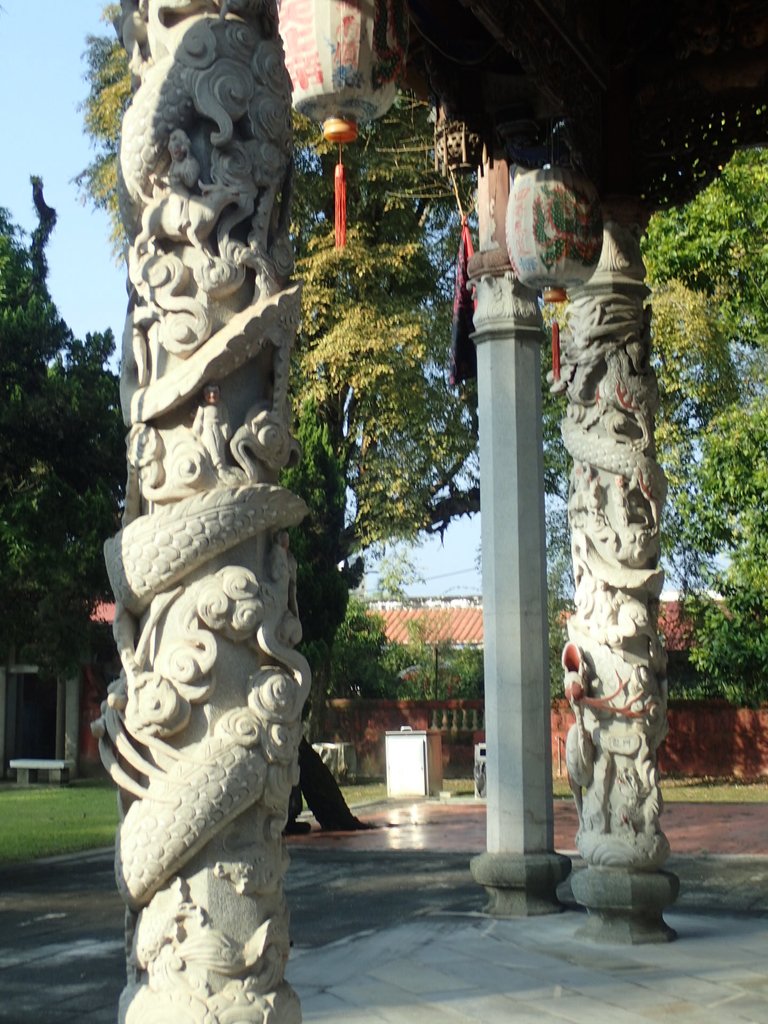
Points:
(505, 309)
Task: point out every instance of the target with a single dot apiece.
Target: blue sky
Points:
(42, 84)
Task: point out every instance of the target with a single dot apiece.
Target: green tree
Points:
(708, 261)
(323, 584)
(729, 514)
(428, 667)
(715, 245)
(109, 90)
(698, 381)
(61, 459)
(358, 667)
(373, 346)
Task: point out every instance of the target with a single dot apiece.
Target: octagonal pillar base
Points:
(625, 907)
(520, 884)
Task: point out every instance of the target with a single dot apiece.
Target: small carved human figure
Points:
(184, 172)
(212, 426)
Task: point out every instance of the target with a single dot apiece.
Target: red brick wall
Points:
(704, 738)
(716, 739)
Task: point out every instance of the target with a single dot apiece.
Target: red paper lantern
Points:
(344, 57)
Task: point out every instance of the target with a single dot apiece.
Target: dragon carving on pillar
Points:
(200, 732)
(614, 661)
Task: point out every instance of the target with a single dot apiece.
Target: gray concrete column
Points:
(519, 870)
(61, 699)
(72, 722)
(3, 718)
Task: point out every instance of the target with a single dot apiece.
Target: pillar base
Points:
(625, 907)
(520, 884)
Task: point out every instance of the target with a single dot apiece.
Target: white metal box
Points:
(414, 763)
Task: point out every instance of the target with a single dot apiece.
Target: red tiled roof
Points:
(449, 624)
(103, 612)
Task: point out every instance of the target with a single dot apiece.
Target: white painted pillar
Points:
(519, 870)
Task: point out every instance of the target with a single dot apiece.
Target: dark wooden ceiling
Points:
(649, 99)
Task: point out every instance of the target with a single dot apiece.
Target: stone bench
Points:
(27, 769)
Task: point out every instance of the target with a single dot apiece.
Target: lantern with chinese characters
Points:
(554, 235)
(344, 57)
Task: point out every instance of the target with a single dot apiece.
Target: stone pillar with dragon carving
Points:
(201, 730)
(614, 662)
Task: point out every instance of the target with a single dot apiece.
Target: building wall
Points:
(704, 738)
(365, 723)
(717, 739)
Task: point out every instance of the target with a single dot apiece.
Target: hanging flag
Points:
(463, 354)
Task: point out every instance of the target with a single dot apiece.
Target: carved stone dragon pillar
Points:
(615, 665)
(200, 732)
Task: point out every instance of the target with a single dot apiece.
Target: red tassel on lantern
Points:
(555, 350)
(343, 57)
(337, 129)
(340, 180)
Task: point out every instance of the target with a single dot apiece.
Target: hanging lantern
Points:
(457, 149)
(344, 58)
(554, 235)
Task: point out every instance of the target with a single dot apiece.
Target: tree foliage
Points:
(716, 246)
(366, 665)
(709, 262)
(61, 459)
(358, 667)
(698, 381)
(371, 351)
(373, 346)
(427, 669)
(109, 90)
(731, 519)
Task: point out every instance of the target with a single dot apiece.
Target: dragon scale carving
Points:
(615, 664)
(200, 732)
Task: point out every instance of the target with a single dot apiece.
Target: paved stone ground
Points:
(388, 926)
(452, 970)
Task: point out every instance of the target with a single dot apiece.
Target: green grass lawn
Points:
(41, 821)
